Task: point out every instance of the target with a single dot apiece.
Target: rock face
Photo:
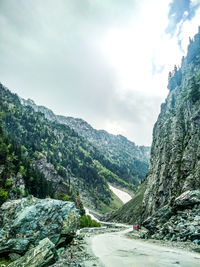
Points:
(175, 154)
(188, 198)
(25, 222)
(171, 204)
(42, 255)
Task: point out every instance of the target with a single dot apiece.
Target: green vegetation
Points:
(63, 197)
(115, 203)
(121, 161)
(86, 221)
(111, 177)
(4, 262)
(194, 93)
(131, 211)
(174, 78)
(3, 196)
(13, 163)
(29, 137)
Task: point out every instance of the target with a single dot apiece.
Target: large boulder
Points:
(25, 222)
(42, 255)
(188, 198)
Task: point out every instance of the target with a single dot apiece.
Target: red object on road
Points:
(136, 227)
(71, 256)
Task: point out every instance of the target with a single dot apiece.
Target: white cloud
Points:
(189, 29)
(92, 59)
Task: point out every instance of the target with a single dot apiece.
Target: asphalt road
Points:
(117, 250)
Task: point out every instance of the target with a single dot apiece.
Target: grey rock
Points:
(174, 164)
(14, 256)
(25, 222)
(188, 198)
(173, 238)
(173, 178)
(191, 228)
(195, 236)
(60, 251)
(196, 242)
(42, 255)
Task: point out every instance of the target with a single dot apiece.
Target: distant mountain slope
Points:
(129, 212)
(72, 164)
(16, 171)
(132, 160)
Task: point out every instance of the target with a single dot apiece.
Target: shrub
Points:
(86, 221)
(3, 196)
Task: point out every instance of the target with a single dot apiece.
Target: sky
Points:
(105, 61)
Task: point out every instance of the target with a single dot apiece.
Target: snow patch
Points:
(122, 195)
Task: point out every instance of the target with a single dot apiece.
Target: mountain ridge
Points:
(68, 161)
(117, 148)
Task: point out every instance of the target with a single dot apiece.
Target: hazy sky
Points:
(105, 61)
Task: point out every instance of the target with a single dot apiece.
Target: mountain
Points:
(132, 159)
(16, 172)
(168, 201)
(50, 158)
(175, 153)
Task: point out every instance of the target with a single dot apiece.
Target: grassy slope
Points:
(115, 203)
(130, 211)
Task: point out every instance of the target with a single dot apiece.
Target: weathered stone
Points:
(175, 152)
(191, 228)
(197, 218)
(173, 238)
(60, 251)
(14, 256)
(42, 255)
(25, 222)
(188, 198)
(195, 236)
(196, 242)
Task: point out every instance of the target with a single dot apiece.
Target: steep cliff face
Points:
(168, 201)
(175, 153)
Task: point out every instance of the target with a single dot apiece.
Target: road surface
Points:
(117, 250)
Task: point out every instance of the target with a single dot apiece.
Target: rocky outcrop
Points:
(180, 222)
(25, 222)
(42, 255)
(187, 199)
(171, 204)
(175, 154)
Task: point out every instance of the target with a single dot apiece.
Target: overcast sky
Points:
(105, 61)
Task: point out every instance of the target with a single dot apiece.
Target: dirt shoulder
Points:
(83, 256)
(188, 246)
(81, 249)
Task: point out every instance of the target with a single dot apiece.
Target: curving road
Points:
(116, 250)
